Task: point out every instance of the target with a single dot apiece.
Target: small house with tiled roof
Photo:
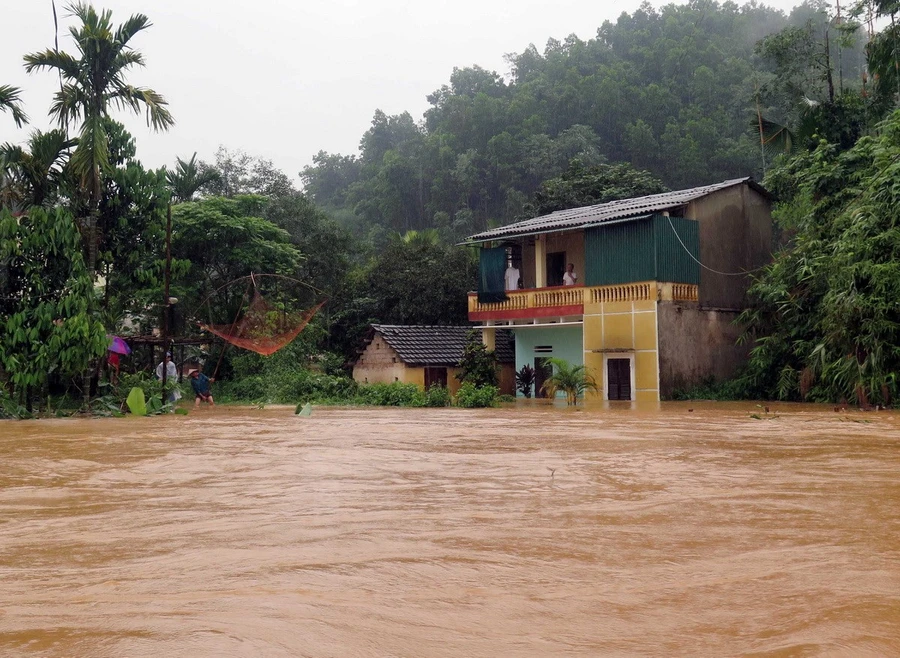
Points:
(425, 355)
(660, 281)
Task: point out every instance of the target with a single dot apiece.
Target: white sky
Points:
(283, 79)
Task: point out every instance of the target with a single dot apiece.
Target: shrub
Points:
(395, 394)
(478, 364)
(470, 396)
(437, 396)
(289, 387)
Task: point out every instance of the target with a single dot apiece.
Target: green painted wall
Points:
(567, 342)
(642, 250)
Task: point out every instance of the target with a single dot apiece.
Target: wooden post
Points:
(165, 324)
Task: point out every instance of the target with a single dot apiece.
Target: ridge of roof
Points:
(437, 345)
(611, 210)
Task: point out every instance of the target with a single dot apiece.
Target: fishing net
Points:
(263, 328)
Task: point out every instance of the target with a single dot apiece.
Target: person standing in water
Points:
(200, 384)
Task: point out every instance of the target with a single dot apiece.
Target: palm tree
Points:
(30, 177)
(10, 101)
(187, 178)
(90, 85)
(572, 380)
(428, 237)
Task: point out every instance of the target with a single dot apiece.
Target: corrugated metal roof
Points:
(613, 210)
(433, 345)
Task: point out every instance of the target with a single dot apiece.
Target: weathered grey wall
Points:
(696, 345)
(735, 236)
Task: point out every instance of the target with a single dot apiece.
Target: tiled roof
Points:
(603, 212)
(433, 345)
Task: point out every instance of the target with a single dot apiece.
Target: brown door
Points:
(542, 370)
(618, 377)
(435, 377)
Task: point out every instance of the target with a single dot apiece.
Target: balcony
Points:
(562, 301)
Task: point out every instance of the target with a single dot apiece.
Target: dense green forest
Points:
(680, 96)
(675, 91)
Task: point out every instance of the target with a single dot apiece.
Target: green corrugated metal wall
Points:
(619, 253)
(642, 250)
(673, 263)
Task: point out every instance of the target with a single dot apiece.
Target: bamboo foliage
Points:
(827, 322)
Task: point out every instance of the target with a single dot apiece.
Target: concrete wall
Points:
(696, 345)
(566, 340)
(380, 364)
(620, 329)
(571, 243)
(735, 236)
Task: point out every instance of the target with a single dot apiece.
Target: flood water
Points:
(510, 532)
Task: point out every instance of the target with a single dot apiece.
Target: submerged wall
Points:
(624, 329)
(565, 342)
(696, 345)
(379, 363)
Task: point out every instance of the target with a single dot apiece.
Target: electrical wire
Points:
(705, 267)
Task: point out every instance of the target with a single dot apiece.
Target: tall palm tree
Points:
(571, 379)
(30, 177)
(187, 178)
(91, 84)
(10, 101)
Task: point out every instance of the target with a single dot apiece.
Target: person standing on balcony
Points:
(512, 277)
(570, 278)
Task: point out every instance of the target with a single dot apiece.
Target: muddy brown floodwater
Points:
(533, 531)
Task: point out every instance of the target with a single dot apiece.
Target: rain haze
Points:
(285, 80)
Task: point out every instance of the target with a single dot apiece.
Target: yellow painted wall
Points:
(624, 329)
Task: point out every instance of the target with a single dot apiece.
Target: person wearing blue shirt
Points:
(200, 384)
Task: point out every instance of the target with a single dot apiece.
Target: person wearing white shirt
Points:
(570, 278)
(171, 376)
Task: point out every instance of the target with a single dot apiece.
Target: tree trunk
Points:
(92, 249)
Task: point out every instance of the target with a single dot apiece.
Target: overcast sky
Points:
(283, 79)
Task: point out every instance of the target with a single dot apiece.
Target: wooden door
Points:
(618, 378)
(435, 377)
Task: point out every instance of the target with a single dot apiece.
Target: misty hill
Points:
(673, 91)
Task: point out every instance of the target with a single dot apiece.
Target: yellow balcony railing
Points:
(626, 292)
(570, 300)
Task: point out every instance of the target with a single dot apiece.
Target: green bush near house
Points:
(285, 386)
(470, 396)
(437, 396)
(396, 394)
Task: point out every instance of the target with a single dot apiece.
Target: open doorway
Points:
(542, 370)
(556, 267)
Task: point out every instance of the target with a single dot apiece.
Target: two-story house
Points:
(661, 279)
